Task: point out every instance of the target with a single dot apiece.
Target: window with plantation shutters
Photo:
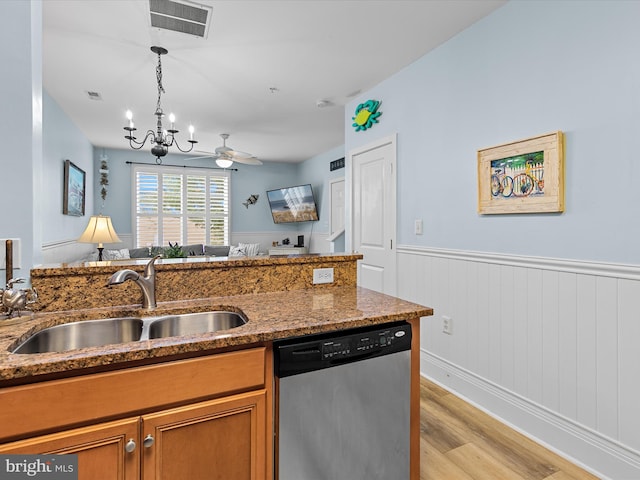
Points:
(187, 206)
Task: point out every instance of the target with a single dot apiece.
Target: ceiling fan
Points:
(225, 156)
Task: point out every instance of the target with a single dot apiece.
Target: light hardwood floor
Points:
(460, 442)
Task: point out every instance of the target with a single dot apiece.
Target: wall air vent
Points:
(180, 16)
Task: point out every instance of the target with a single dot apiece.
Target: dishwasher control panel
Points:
(345, 347)
(321, 351)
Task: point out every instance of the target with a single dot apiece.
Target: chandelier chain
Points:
(159, 80)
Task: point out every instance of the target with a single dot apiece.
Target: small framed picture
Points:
(74, 188)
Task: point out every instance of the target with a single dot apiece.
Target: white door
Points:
(374, 214)
(337, 205)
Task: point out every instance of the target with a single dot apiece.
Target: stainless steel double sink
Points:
(96, 333)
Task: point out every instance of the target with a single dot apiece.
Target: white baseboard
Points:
(590, 450)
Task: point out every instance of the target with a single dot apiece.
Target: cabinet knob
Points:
(130, 446)
(148, 441)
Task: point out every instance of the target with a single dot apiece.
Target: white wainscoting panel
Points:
(550, 346)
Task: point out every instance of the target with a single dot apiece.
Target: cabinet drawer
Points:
(51, 406)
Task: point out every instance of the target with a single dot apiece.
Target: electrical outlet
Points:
(417, 227)
(447, 325)
(322, 275)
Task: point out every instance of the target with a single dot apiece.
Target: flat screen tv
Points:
(293, 204)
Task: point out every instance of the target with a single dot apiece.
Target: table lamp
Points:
(99, 230)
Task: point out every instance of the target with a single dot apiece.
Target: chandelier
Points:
(161, 139)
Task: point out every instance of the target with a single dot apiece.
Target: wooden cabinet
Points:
(228, 436)
(100, 448)
(220, 439)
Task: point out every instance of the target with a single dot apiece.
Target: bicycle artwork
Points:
(526, 176)
(518, 176)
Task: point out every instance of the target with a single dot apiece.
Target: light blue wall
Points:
(250, 180)
(21, 124)
(529, 68)
(62, 140)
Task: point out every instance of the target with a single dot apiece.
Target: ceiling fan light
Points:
(224, 163)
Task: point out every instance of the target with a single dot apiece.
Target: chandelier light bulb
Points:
(172, 119)
(191, 130)
(130, 118)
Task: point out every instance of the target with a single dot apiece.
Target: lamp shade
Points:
(99, 230)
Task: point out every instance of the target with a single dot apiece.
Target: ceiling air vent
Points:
(94, 95)
(181, 17)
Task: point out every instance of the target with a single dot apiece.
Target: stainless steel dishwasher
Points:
(343, 405)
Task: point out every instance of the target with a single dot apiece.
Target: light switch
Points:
(417, 228)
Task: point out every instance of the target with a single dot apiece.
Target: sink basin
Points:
(96, 333)
(194, 323)
(90, 333)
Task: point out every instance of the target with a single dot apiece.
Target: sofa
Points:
(190, 250)
(196, 250)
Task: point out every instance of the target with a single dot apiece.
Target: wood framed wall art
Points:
(74, 189)
(526, 176)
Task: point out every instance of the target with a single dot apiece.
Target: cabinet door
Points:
(221, 439)
(100, 448)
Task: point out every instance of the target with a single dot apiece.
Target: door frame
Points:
(349, 196)
(344, 192)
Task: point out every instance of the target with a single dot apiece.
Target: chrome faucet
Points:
(147, 283)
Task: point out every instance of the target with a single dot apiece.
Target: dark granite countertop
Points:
(271, 316)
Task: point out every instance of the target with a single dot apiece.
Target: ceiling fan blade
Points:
(210, 155)
(235, 154)
(248, 161)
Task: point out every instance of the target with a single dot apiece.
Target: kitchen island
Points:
(104, 401)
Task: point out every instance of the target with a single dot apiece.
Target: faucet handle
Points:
(150, 269)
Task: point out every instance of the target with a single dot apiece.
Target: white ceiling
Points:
(307, 49)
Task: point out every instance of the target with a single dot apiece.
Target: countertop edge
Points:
(188, 263)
